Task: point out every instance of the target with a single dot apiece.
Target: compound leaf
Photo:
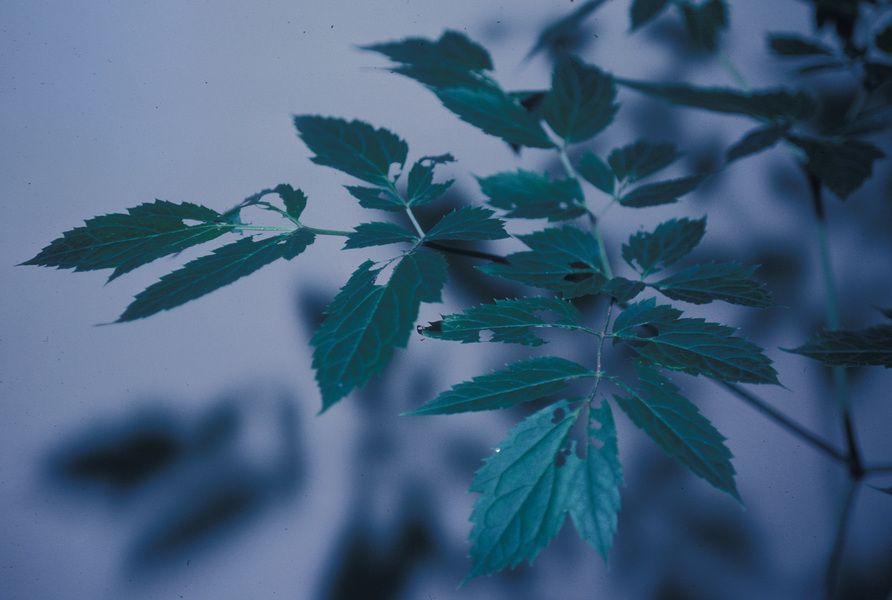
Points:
(528, 195)
(124, 242)
(640, 159)
(580, 102)
(794, 45)
(378, 233)
(694, 346)
(366, 321)
(666, 245)
(421, 188)
(662, 192)
(645, 10)
(218, 269)
(596, 172)
(354, 147)
(851, 347)
(676, 425)
(524, 493)
(468, 223)
(522, 382)
(495, 113)
(728, 281)
(841, 164)
(757, 140)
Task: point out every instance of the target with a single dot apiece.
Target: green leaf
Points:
(421, 188)
(623, 289)
(704, 22)
(523, 492)
(794, 45)
(372, 198)
(522, 382)
(645, 10)
(772, 105)
(594, 496)
(851, 347)
(124, 242)
(694, 346)
(365, 322)
(554, 36)
(758, 140)
(295, 201)
(580, 102)
(728, 281)
(841, 164)
(663, 247)
(468, 223)
(509, 321)
(676, 425)
(662, 192)
(495, 113)
(378, 233)
(637, 161)
(209, 273)
(565, 260)
(354, 147)
(596, 172)
(528, 195)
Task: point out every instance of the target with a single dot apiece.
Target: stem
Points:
(415, 224)
(834, 563)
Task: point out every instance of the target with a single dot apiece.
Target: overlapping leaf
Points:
(124, 242)
(596, 172)
(580, 102)
(378, 233)
(208, 273)
(841, 164)
(676, 425)
(758, 140)
(468, 223)
(354, 147)
(641, 158)
(728, 281)
(523, 502)
(366, 321)
(666, 245)
(522, 382)
(509, 321)
(871, 346)
(795, 45)
(694, 346)
(662, 192)
(529, 195)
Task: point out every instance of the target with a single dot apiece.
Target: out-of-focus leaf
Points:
(365, 322)
(757, 140)
(378, 233)
(883, 39)
(596, 172)
(663, 247)
(380, 198)
(694, 346)
(421, 188)
(728, 281)
(851, 347)
(704, 22)
(354, 147)
(208, 273)
(841, 164)
(580, 102)
(662, 192)
(794, 45)
(676, 425)
(564, 28)
(124, 242)
(468, 223)
(528, 195)
(640, 159)
(645, 10)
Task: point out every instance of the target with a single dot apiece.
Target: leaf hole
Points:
(559, 414)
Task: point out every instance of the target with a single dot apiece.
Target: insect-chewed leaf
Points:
(421, 188)
(794, 45)
(851, 347)
(529, 195)
(676, 425)
(774, 104)
(596, 172)
(555, 36)
(728, 281)
(354, 147)
(218, 269)
(758, 140)
(663, 247)
(378, 233)
(496, 113)
(580, 102)
(524, 493)
(645, 10)
(468, 223)
(704, 21)
(563, 260)
(510, 321)
(662, 192)
(124, 242)
(522, 382)
(365, 322)
(295, 201)
(380, 198)
(640, 159)
(694, 346)
(841, 164)
(594, 495)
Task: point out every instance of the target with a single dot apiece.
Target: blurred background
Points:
(181, 456)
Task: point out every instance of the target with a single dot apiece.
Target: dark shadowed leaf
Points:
(728, 281)
(841, 164)
(421, 188)
(794, 45)
(354, 147)
(645, 10)
(529, 195)
(468, 223)
(580, 102)
(883, 39)
(640, 159)
(208, 273)
(662, 192)
(851, 347)
(596, 172)
(676, 425)
(666, 245)
(378, 233)
(554, 34)
(757, 140)
(704, 21)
